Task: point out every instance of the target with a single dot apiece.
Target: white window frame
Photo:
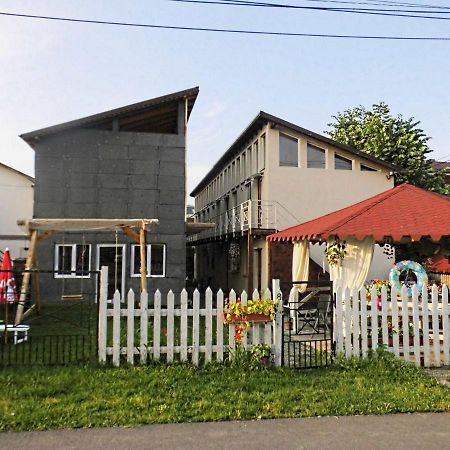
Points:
(149, 252)
(73, 262)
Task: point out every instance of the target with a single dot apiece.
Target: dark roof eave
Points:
(110, 114)
(258, 122)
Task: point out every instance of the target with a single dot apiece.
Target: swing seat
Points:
(72, 297)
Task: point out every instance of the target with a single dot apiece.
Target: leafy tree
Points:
(393, 139)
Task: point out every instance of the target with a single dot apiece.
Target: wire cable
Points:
(228, 30)
(367, 11)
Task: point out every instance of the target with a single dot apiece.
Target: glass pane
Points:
(288, 151)
(262, 153)
(316, 157)
(157, 259)
(82, 259)
(64, 253)
(341, 163)
(367, 169)
(137, 260)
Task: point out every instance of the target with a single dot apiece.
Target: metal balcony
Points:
(256, 215)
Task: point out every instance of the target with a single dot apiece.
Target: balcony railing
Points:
(252, 214)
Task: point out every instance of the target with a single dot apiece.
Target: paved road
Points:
(401, 431)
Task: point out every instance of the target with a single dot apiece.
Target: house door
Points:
(113, 257)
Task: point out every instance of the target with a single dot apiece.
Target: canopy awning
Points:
(402, 213)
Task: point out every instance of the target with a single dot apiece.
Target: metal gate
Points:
(308, 324)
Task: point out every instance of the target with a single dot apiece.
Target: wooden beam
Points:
(36, 286)
(131, 233)
(83, 224)
(26, 277)
(143, 248)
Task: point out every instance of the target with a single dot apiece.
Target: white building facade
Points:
(276, 175)
(16, 192)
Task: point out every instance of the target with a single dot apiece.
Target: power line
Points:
(385, 3)
(412, 14)
(229, 30)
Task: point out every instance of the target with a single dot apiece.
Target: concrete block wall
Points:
(105, 174)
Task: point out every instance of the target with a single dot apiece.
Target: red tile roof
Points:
(403, 211)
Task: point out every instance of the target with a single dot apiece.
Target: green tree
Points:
(393, 139)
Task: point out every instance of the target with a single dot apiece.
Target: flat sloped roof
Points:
(158, 114)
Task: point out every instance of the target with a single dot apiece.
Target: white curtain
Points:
(352, 271)
(300, 263)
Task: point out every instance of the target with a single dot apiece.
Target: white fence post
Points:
(208, 326)
(157, 326)
(356, 315)
(130, 327)
(348, 319)
(339, 322)
(426, 327)
(102, 319)
(196, 328)
(435, 323)
(116, 329)
(446, 325)
(170, 326)
(184, 326)
(219, 331)
(144, 327)
(278, 328)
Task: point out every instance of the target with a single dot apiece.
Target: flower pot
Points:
(254, 318)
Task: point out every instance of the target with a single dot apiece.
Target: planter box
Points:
(254, 318)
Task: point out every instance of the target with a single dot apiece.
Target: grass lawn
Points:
(72, 397)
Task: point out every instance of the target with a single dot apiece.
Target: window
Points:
(288, 151)
(262, 153)
(72, 260)
(341, 163)
(367, 168)
(315, 157)
(156, 260)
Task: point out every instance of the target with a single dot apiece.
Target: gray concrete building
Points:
(127, 163)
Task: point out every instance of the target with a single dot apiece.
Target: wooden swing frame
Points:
(47, 227)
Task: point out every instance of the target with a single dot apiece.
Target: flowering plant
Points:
(378, 284)
(335, 252)
(237, 312)
(265, 306)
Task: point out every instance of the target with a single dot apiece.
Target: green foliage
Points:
(74, 397)
(396, 140)
(335, 252)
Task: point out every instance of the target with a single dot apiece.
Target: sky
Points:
(52, 72)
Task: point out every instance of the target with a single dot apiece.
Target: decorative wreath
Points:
(409, 266)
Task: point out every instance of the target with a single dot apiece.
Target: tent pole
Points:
(26, 277)
(143, 245)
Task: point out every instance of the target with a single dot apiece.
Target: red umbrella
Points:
(8, 292)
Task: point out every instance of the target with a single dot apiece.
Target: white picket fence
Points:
(180, 332)
(360, 323)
